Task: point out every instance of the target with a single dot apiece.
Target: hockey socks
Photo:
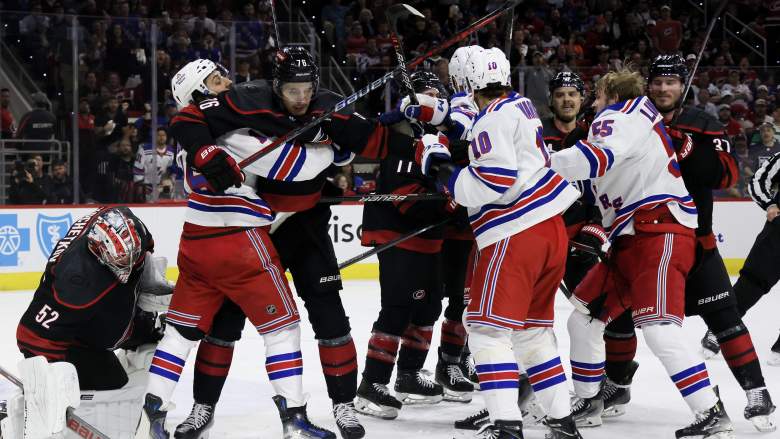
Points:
(498, 373)
(212, 365)
(620, 343)
(380, 359)
(537, 349)
(339, 365)
(739, 353)
(415, 344)
(587, 354)
(687, 372)
(284, 364)
(453, 338)
(168, 363)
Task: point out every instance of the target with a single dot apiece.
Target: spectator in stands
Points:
(89, 89)
(537, 78)
(201, 23)
(704, 102)
(7, 123)
(730, 125)
(115, 175)
(243, 72)
(33, 28)
(28, 185)
(741, 91)
(38, 124)
(767, 145)
(759, 114)
(742, 155)
(153, 163)
(250, 34)
(342, 182)
(87, 144)
(208, 49)
(60, 190)
(667, 33)
(356, 42)
(776, 121)
(109, 123)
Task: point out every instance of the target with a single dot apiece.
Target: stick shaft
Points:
(383, 198)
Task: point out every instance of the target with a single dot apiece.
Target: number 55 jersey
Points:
(628, 136)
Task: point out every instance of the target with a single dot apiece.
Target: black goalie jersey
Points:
(80, 302)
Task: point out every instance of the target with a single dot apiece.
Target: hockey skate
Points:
(526, 400)
(468, 368)
(414, 387)
(457, 387)
(197, 424)
(586, 412)
(502, 430)
(709, 345)
(473, 422)
(374, 399)
(774, 354)
(713, 423)
(616, 395)
(564, 428)
(295, 423)
(759, 408)
(347, 421)
(151, 425)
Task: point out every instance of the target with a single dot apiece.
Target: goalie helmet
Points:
(567, 79)
(669, 65)
(294, 64)
(115, 242)
(458, 79)
(487, 68)
(192, 78)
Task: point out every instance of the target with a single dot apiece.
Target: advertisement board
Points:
(28, 234)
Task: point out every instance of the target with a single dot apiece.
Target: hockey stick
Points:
(374, 198)
(479, 24)
(509, 32)
(387, 245)
(588, 249)
(692, 73)
(74, 422)
(276, 25)
(393, 13)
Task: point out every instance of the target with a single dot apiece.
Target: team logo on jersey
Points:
(270, 309)
(13, 239)
(419, 294)
(51, 229)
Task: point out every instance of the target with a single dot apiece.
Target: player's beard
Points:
(667, 108)
(565, 118)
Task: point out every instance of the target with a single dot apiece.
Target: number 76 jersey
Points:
(628, 164)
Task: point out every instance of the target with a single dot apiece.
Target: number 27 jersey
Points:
(628, 164)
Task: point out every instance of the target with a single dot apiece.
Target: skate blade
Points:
(453, 396)
(614, 411)
(368, 408)
(589, 422)
(415, 399)
(763, 424)
(719, 435)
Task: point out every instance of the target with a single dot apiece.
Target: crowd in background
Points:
(122, 160)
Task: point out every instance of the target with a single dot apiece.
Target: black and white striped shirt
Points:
(760, 186)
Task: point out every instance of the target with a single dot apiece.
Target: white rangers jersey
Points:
(151, 165)
(508, 186)
(292, 165)
(631, 164)
(463, 110)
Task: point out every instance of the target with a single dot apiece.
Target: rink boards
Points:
(27, 235)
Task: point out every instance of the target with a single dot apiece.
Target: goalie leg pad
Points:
(49, 389)
(12, 426)
(115, 412)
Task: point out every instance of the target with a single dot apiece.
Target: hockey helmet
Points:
(115, 242)
(458, 79)
(669, 65)
(423, 80)
(192, 78)
(567, 79)
(488, 67)
(294, 64)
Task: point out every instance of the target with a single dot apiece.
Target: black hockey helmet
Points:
(294, 64)
(567, 79)
(669, 65)
(423, 80)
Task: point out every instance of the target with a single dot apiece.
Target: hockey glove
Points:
(220, 169)
(681, 142)
(391, 117)
(429, 110)
(431, 150)
(591, 235)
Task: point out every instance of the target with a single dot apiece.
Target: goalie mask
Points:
(115, 242)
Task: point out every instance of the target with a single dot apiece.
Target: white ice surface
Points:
(246, 409)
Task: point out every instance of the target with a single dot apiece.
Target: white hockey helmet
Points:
(192, 78)
(486, 67)
(458, 79)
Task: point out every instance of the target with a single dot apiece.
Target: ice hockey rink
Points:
(246, 409)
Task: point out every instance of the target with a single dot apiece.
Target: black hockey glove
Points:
(682, 143)
(591, 235)
(220, 169)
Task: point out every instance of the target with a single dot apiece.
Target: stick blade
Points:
(401, 10)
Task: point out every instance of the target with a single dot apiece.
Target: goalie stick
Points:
(74, 422)
(479, 24)
(387, 245)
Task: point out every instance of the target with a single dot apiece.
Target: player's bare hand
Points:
(772, 212)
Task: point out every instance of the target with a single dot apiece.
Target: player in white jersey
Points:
(463, 110)
(649, 216)
(223, 221)
(514, 202)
